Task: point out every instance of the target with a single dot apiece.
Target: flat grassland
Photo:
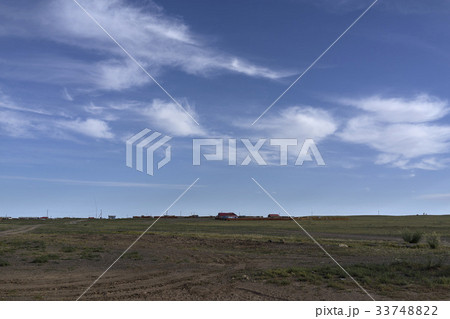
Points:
(207, 259)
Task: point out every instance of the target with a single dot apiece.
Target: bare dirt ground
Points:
(171, 268)
(45, 263)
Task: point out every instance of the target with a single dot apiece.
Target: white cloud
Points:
(96, 183)
(298, 122)
(407, 140)
(422, 108)
(17, 120)
(119, 75)
(90, 127)
(295, 122)
(241, 66)
(172, 119)
(7, 103)
(94, 109)
(23, 122)
(157, 40)
(67, 96)
(401, 130)
(15, 125)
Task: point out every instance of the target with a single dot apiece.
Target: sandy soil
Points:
(172, 268)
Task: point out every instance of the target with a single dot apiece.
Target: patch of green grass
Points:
(294, 273)
(3, 263)
(22, 244)
(384, 278)
(90, 253)
(134, 255)
(259, 230)
(279, 282)
(44, 258)
(68, 249)
(337, 285)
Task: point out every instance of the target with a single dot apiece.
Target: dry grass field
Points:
(207, 259)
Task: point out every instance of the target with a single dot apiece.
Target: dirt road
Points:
(19, 230)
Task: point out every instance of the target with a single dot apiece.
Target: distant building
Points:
(226, 216)
(273, 216)
(111, 216)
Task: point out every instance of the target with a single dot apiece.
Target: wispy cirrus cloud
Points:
(418, 109)
(7, 103)
(66, 95)
(90, 127)
(96, 183)
(294, 122)
(172, 119)
(25, 122)
(158, 40)
(299, 122)
(403, 131)
(159, 114)
(14, 125)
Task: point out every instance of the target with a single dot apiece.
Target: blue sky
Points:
(376, 104)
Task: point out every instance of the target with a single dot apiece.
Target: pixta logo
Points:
(150, 143)
(141, 148)
(279, 147)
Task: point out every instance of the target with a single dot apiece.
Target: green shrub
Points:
(86, 254)
(3, 263)
(134, 255)
(68, 249)
(433, 240)
(44, 258)
(434, 262)
(90, 253)
(412, 237)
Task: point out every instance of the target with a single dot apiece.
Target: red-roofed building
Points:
(273, 216)
(226, 215)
